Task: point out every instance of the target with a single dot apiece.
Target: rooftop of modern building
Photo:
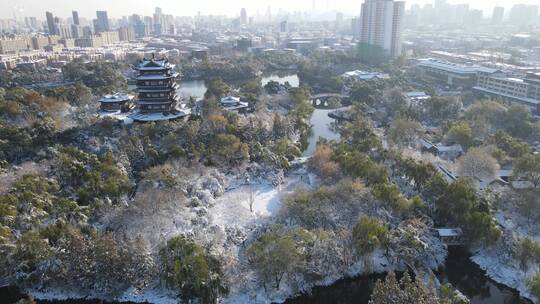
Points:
(533, 76)
(510, 79)
(417, 94)
(454, 67)
(528, 101)
(363, 75)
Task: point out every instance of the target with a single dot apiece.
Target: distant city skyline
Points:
(119, 8)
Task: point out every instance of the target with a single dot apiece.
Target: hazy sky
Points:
(118, 8)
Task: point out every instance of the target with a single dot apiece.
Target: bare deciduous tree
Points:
(252, 193)
(478, 164)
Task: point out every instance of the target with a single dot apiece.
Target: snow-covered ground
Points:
(223, 220)
(501, 268)
(234, 206)
(375, 263)
(149, 296)
(499, 262)
(215, 211)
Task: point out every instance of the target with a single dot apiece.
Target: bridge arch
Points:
(325, 100)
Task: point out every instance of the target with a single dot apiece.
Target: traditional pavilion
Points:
(156, 88)
(118, 102)
(231, 103)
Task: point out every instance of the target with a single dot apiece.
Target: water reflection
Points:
(473, 282)
(346, 291)
(193, 88)
(197, 88)
(459, 270)
(282, 78)
(321, 128)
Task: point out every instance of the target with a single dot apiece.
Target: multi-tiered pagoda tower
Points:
(156, 86)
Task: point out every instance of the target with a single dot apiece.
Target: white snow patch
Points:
(375, 263)
(499, 262)
(151, 296)
(154, 296)
(503, 271)
(233, 206)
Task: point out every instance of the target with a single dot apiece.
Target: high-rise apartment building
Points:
(523, 14)
(76, 31)
(158, 26)
(15, 44)
(139, 26)
(498, 15)
(31, 22)
(381, 24)
(101, 24)
(243, 17)
(474, 17)
(64, 31)
(284, 26)
(126, 33)
(148, 24)
(51, 24)
(76, 20)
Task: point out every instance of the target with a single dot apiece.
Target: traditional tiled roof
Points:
(154, 65)
(117, 97)
(156, 77)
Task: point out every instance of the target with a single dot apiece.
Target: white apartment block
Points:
(486, 81)
(381, 24)
(523, 91)
(452, 74)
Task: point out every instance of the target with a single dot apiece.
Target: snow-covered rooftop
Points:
(148, 117)
(154, 64)
(233, 103)
(449, 149)
(229, 100)
(117, 97)
(453, 67)
(417, 95)
(530, 101)
(449, 232)
(156, 77)
(363, 75)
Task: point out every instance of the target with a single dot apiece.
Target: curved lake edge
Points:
(358, 289)
(459, 270)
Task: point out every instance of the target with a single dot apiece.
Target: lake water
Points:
(187, 88)
(197, 88)
(292, 79)
(321, 128)
(458, 270)
(194, 88)
(472, 281)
